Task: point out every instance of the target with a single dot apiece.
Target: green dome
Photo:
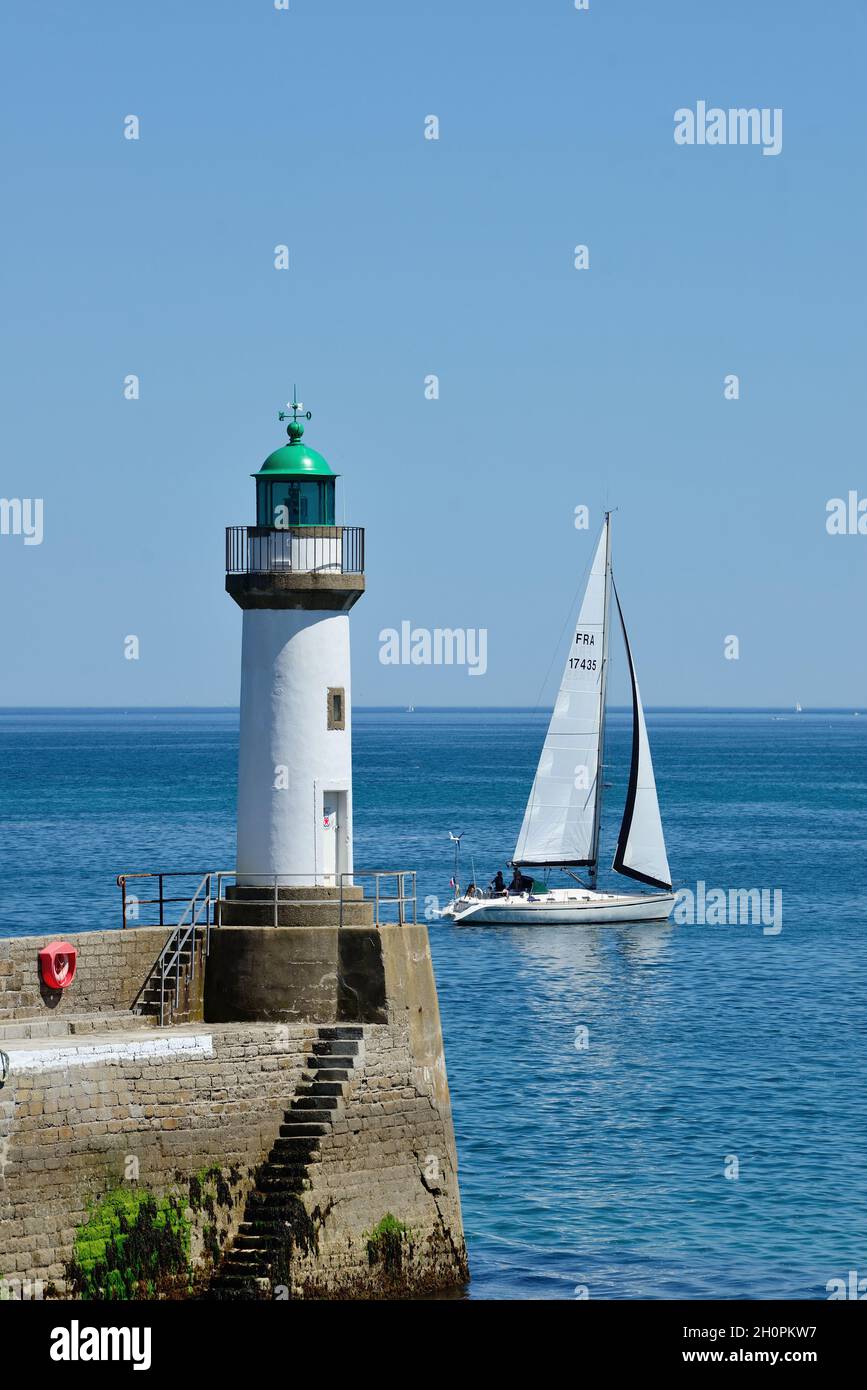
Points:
(295, 460)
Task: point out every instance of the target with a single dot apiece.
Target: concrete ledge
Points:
(49, 1055)
(293, 589)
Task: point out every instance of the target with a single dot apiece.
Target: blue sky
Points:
(409, 257)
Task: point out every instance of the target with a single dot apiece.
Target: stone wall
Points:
(112, 968)
(390, 1155)
(159, 1108)
(155, 1108)
(123, 1106)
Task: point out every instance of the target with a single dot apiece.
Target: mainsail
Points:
(561, 822)
(640, 850)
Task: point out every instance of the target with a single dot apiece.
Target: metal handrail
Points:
(401, 900)
(304, 549)
(169, 958)
(206, 910)
(122, 880)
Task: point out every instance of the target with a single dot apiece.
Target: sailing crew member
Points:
(498, 887)
(520, 882)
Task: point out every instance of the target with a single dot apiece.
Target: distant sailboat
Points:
(798, 709)
(561, 824)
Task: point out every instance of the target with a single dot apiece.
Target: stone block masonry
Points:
(149, 1109)
(296, 1143)
(113, 967)
(386, 1179)
(159, 1110)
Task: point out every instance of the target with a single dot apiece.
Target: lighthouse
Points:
(296, 575)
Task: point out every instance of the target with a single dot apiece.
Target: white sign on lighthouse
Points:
(296, 575)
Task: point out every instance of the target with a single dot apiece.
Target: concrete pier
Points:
(305, 1094)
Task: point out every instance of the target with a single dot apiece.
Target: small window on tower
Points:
(336, 708)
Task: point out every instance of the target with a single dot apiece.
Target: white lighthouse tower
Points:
(296, 575)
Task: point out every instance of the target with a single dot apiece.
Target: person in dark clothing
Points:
(499, 884)
(520, 882)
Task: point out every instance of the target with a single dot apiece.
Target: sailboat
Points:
(561, 824)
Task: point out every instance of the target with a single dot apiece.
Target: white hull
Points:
(561, 908)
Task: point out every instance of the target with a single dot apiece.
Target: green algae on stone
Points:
(209, 1187)
(132, 1246)
(385, 1243)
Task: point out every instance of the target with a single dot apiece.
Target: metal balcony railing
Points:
(145, 896)
(295, 549)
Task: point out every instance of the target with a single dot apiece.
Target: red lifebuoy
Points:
(57, 964)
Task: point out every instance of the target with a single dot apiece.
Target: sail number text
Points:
(583, 663)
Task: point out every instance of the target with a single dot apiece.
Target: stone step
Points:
(330, 1059)
(153, 981)
(251, 1233)
(109, 1022)
(319, 1088)
(286, 1182)
(337, 1047)
(241, 1285)
(273, 1206)
(316, 1102)
(298, 1126)
(248, 1261)
(242, 1261)
(290, 1131)
(267, 1189)
(323, 1118)
(34, 1028)
(329, 1032)
(280, 1169)
(297, 1141)
(185, 956)
(326, 1074)
(301, 1147)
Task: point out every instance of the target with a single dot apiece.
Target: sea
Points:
(671, 1110)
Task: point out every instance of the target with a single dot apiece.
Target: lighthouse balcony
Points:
(295, 566)
(304, 549)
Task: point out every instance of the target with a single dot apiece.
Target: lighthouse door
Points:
(330, 830)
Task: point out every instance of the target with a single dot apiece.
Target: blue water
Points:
(604, 1167)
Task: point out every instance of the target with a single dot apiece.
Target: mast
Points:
(600, 769)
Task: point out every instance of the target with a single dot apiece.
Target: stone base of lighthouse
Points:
(297, 1123)
(296, 907)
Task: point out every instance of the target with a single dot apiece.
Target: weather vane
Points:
(297, 409)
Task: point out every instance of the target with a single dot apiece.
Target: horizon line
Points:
(433, 709)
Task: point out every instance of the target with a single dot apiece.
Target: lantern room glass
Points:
(307, 502)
